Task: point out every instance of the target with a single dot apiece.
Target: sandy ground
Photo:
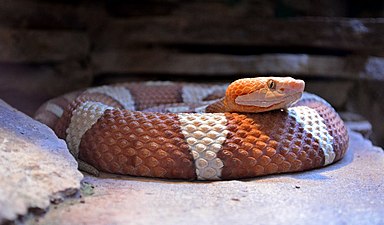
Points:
(348, 192)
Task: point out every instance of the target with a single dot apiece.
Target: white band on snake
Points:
(253, 127)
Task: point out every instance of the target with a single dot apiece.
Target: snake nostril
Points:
(282, 89)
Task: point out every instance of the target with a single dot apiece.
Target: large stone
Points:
(36, 167)
(368, 100)
(26, 87)
(224, 9)
(56, 15)
(169, 62)
(357, 123)
(41, 15)
(39, 46)
(348, 192)
(336, 92)
(348, 34)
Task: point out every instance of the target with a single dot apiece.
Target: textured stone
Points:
(348, 34)
(374, 69)
(223, 9)
(168, 62)
(36, 167)
(36, 46)
(348, 192)
(368, 100)
(37, 14)
(336, 92)
(357, 123)
(26, 87)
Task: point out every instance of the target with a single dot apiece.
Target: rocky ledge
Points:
(36, 168)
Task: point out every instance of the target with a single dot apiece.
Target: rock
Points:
(55, 16)
(26, 87)
(36, 167)
(374, 69)
(39, 46)
(348, 192)
(169, 62)
(334, 91)
(325, 8)
(345, 34)
(367, 99)
(362, 127)
(357, 123)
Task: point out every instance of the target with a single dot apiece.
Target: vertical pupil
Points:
(271, 84)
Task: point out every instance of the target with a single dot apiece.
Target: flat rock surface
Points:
(348, 192)
(36, 167)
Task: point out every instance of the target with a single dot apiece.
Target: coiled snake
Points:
(187, 131)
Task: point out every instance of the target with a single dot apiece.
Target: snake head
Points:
(262, 94)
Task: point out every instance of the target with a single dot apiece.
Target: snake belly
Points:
(151, 129)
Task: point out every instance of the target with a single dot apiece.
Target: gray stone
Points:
(348, 192)
(36, 167)
(374, 69)
(357, 123)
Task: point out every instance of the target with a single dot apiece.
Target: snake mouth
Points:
(266, 103)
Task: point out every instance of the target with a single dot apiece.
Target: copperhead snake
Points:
(263, 125)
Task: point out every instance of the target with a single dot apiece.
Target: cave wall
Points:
(51, 47)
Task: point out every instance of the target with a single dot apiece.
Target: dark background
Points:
(48, 48)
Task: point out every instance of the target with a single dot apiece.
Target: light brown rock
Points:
(36, 167)
(348, 192)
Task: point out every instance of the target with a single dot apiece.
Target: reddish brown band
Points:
(269, 143)
(138, 144)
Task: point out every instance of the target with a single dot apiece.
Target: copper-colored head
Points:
(262, 94)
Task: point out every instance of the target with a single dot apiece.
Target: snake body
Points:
(162, 129)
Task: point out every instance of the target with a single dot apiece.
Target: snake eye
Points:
(271, 84)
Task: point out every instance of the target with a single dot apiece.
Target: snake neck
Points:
(218, 106)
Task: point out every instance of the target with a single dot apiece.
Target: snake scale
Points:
(263, 125)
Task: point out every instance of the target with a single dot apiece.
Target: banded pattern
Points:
(120, 94)
(102, 130)
(205, 135)
(83, 118)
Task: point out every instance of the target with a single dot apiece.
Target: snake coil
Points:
(152, 129)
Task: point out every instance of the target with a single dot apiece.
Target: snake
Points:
(177, 130)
